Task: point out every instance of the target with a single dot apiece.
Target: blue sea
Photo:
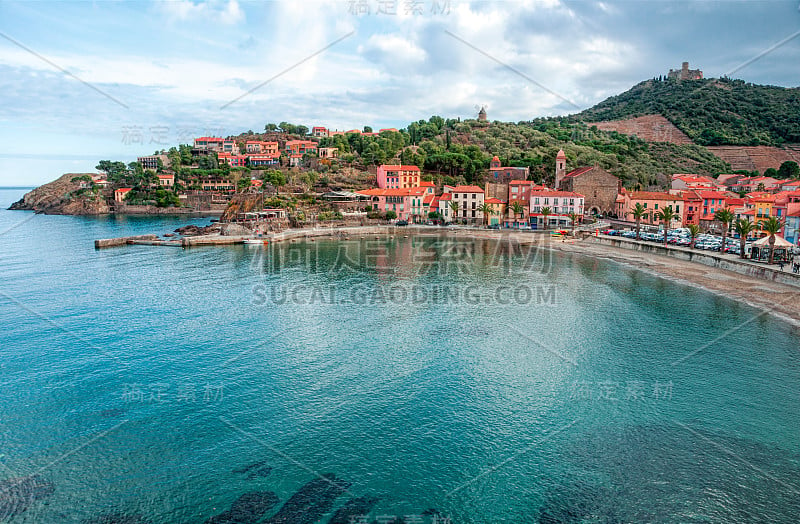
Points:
(401, 379)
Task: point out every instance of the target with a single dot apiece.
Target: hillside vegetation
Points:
(711, 112)
(460, 151)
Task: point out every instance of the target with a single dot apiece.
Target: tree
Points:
(789, 169)
(517, 208)
(771, 226)
(574, 218)
(638, 212)
(367, 129)
(546, 212)
(301, 130)
(270, 128)
(666, 215)
(454, 209)
(726, 217)
(391, 215)
(771, 172)
(487, 210)
(743, 227)
(694, 231)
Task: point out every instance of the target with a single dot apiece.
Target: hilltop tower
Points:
(482, 114)
(495, 162)
(561, 168)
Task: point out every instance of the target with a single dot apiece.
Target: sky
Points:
(86, 81)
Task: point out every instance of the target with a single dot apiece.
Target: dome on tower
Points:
(561, 154)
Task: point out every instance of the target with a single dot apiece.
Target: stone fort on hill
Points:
(684, 73)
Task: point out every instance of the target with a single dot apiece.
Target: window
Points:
(474, 196)
(473, 213)
(656, 208)
(677, 208)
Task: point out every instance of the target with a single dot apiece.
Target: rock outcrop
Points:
(64, 196)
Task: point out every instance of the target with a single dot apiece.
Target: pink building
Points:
(398, 177)
(319, 131)
(408, 203)
(561, 204)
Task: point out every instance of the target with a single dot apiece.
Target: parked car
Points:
(401, 223)
(494, 226)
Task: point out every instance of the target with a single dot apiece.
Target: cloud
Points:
(225, 12)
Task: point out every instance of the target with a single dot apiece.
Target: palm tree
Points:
(743, 227)
(574, 217)
(638, 212)
(727, 217)
(487, 210)
(517, 208)
(694, 230)
(546, 212)
(454, 209)
(666, 215)
(772, 226)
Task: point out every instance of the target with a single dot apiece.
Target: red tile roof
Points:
(401, 167)
(494, 200)
(405, 191)
(559, 194)
(446, 196)
(579, 171)
(653, 195)
(467, 189)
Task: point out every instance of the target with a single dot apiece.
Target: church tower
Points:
(482, 114)
(561, 168)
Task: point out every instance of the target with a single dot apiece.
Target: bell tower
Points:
(561, 168)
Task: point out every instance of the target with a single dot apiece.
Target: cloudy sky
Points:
(84, 81)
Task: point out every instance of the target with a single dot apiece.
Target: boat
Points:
(256, 241)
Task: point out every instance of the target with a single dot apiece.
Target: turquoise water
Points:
(482, 381)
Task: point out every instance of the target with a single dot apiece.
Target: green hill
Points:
(710, 111)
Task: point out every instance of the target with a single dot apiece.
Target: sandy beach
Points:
(781, 300)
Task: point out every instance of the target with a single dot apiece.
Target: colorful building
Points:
(653, 202)
(319, 131)
(470, 201)
(407, 203)
(398, 177)
(261, 148)
(121, 193)
(166, 180)
(561, 204)
(300, 147)
(498, 210)
(263, 160)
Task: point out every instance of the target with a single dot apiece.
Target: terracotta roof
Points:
(400, 167)
(561, 154)
(494, 200)
(522, 183)
(428, 199)
(467, 189)
(208, 139)
(123, 190)
(559, 194)
(579, 171)
(425, 183)
(653, 195)
(405, 191)
(446, 196)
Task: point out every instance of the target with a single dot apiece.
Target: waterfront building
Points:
(121, 193)
(561, 204)
(470, 200)
(598, 185)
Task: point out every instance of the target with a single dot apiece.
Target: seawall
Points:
(708, 258)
